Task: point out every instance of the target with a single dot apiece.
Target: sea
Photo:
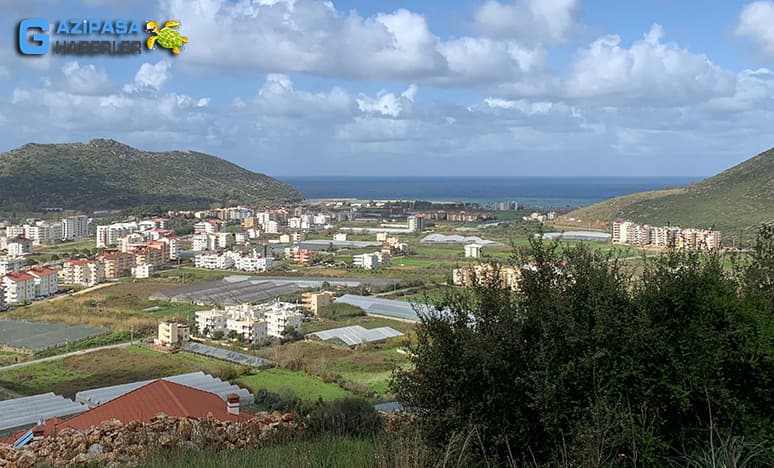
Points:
(535, 192)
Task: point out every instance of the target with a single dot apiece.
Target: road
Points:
(62, 356)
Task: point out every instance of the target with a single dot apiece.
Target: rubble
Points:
(115, 443)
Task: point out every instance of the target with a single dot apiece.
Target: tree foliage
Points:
(586, 364)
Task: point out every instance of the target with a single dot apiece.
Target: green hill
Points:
(736, 202)
(106, 174)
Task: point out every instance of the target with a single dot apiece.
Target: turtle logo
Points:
(167, 37)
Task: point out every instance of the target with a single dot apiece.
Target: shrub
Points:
(349, 416)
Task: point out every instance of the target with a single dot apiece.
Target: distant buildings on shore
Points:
(628, 232)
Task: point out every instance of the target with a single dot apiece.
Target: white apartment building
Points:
(253, 331)
(279, 318)
(272, 227)
(18, 287)
(108, 235)
(371, 261)
(82, 272)
(341, 236)
(14, 231)
(18, 246)
(44, 232)
(143, 271)
(472, 251)
(213, 261)
(252, 262)
(321, 219)
(209, 225)
(173, 244)
(46, 281)
(74, 227)
(416, 223)
(10, 264)
(211, 320)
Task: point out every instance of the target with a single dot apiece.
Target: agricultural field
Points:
(305, 386)
(118, 307)
(72, 374)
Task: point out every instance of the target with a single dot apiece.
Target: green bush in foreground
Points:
(587, 366)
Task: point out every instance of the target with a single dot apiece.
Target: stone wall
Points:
(114, 443)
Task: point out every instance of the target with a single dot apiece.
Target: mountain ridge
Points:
(107, 174)
(735, 201)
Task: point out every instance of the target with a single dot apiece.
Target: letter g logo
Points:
(38, 43)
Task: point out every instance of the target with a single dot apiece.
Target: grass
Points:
(119, 307)
(72, 374)
(307, 387)
(321, 452)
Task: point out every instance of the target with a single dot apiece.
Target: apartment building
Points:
(473, 251)
(19, 288)
(10, 264)
(209, 321)
(172, 334)
(508, 276)
(627, 232)
(252, 330)
(142, 271)
(314, 301)
(82, 272)
(371, 261)
(213, 261)
(108, 235)
(46, 281)
(116, 263)
(208, 226)
(416, 223)
(74, 227)
(279, 318)
(18, 246)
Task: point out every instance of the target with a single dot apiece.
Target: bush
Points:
(349, 416)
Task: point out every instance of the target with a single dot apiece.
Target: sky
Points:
(431, 87)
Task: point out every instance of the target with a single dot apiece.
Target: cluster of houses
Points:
(131, 248)
(540, 217)
(254, 323)
(628, 232)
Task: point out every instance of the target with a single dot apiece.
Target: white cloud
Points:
(84, 79)
(650, 72)
(279, 98)
(387, 103)
(150, 77)
(314, 37)
(756, 23)
(530, 21)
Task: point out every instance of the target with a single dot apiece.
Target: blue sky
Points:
(305, 87)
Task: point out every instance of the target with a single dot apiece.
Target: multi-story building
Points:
(173, 246)
(209, 321)
(280, 317)
(252, 330)
(108, 235)
(117, 263)
(508, 276)
(371, 261)
(172, 334)
(10, 264)
(627, 232)
(44, 232)
(74, 227)
(18, 246)
(142, 271)
(19, 288)
(82, 272)
(208, 225)
(46, 281)
(272, 227)
(416, 223)
(473, 251)
(314, 301)
(213, 261)
(252, 262)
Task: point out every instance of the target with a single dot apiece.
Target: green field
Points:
(70, 375)
(307, 387)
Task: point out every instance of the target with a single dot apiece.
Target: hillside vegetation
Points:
(735, 201)
(106, 174)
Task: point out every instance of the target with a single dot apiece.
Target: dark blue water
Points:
(546, 192)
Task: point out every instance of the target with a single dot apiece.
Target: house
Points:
(472, 251)
(82, 272)
(172, 334)
(160, 397)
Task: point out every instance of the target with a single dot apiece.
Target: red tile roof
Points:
(42, 271)
(145, 403)
(17, 277)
